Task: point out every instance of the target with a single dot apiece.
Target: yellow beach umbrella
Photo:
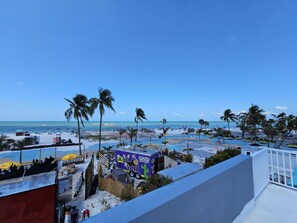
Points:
(69, 156)
(6, 165)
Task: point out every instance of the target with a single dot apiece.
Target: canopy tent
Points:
(69, 156)
(7, 165)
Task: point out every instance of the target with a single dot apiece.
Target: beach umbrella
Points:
(6, 165)
(69, 156)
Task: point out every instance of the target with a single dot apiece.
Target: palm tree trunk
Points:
(100, 128)
(78, 132)
(21, 155)
(137, 131)
(242, 134)
(228, 125)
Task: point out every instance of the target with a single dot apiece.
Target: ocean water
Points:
(54, 126)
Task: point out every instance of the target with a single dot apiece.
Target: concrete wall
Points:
(217, 194)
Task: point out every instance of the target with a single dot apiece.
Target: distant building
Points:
(27, 200)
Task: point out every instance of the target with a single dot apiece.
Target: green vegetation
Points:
(221, 156)
(79, 110)
(188, 158)
(131, 132)
(140, 116)
(103, 101)
(228, 116)
(159, 181)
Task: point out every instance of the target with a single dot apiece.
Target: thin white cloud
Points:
(122, 112)
(281, 107)
(201, 115)
(19, 83)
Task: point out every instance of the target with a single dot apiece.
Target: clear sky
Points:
(180, 60)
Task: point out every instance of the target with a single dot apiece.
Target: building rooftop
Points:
(19, 185)
(275, 204)
(139, 150)
(180, 171)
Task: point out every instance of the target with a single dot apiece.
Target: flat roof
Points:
(275, 204)
(138, 150)
(19, 185)
(181, 171)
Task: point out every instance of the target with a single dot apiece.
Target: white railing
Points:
(283, 167)
(102, 159)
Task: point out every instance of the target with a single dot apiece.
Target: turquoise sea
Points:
(53, 126)
(61, 126)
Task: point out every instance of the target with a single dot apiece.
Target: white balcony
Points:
(245, 189)
(275, 178)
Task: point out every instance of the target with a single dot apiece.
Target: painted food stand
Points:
(139, 163)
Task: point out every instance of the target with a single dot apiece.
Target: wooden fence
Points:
(117, 188)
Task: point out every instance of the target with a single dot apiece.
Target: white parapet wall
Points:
(260, 171)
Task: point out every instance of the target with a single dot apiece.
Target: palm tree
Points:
(198, 132)
(254, 120)
(165, 130)
(79, 110)
(242, 123)
(5, 143)
(131, 132)
(20, 144)
(139, 117)
(228, 116)
(206, 123)
(268, 128)
(104, 100)
(190, 130)
(164, 121)
(201, 122)
(121, 132)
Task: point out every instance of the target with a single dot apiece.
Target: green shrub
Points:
(221, 156)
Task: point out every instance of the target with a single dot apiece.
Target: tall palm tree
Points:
(228, 116)
(268, 128)
(254, 120)
(242, 123)
(131, 132)
(20, 144)
(140, 116)
(104, 100)
(79, 110)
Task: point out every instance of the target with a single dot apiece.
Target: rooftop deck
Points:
(274, 205)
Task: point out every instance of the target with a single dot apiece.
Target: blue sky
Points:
(180, 60)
